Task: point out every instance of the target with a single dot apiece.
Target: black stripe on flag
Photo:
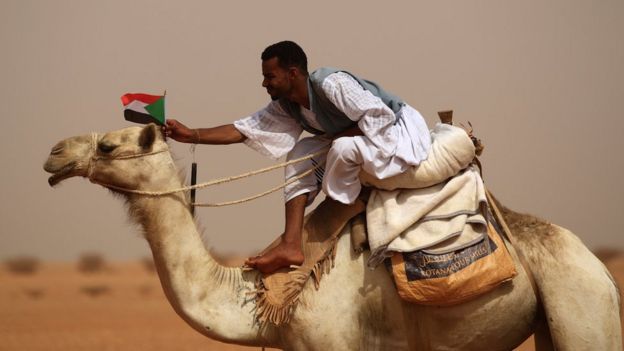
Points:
(138, 117)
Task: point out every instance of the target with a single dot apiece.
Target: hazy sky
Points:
(541, 81)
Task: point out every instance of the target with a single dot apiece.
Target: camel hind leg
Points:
(579, 297)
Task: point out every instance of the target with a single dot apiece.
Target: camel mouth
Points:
(61, 174)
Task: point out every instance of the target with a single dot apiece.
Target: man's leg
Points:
(341, 181)
(298, 194)
(289, 250)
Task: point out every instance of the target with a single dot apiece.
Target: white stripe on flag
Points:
(137, 106)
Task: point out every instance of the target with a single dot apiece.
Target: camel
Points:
(355, 308)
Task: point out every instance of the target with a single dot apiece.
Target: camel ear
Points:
(148, 136)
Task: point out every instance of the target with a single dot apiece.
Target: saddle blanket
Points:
(441, 218)
(451, 278)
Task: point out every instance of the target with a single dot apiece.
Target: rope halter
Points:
(95, 157)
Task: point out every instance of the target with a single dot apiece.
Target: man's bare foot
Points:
(283, 255)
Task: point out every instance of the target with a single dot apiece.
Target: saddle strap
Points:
(512, 241)
(447, 118)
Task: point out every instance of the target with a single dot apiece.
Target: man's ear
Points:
(148, 136)
(293, 72)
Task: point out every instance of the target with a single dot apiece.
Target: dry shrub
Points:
(34, 293)
(148, 264)
(145, 290)
(22, 265)
(91, 263)
(95, 290)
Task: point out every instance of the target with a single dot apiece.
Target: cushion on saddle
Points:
(451, 278)
(451, 151)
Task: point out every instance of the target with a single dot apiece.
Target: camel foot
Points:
(282, 256)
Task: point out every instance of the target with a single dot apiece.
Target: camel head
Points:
(130, 158)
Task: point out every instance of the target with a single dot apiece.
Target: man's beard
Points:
(277, 94)
(273, 94)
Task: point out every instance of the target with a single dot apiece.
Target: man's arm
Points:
(226, 134)
(374, 119)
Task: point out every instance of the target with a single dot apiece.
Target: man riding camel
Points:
(365, 127)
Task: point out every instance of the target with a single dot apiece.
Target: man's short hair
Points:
(288, 53)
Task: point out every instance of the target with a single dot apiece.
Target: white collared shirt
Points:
(272, 132)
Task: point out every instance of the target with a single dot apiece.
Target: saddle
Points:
(436, 233)
(424, 277)
(427, 278)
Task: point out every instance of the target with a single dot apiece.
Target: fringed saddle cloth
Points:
(278, 293)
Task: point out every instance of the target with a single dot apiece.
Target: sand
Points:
(120, 307)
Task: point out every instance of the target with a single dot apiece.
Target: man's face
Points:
(277, 80)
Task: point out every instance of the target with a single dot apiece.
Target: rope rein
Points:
(267, 192)
(96, 158)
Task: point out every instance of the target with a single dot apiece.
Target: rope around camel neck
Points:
(267, 192)
(212, 182)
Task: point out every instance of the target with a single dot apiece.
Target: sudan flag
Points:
(144, 108)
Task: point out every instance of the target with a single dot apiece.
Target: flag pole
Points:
(193, 175)
(193, 182)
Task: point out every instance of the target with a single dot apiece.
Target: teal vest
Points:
(327, 114)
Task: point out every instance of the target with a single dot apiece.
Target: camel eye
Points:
(106, 148)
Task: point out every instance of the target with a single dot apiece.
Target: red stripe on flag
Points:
(148, 99)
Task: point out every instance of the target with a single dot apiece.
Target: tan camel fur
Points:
(355, 308)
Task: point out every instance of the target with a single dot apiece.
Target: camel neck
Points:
(179, 253)
(194, 283)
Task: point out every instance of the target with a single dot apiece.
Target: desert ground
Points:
(98, 305)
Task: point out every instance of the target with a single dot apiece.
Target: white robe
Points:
(386, 148)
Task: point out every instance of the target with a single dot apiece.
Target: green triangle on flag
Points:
(157, 110)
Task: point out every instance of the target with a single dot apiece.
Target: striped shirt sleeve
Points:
(270, 131)
(375, 119)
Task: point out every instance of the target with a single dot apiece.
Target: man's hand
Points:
(179, 132)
